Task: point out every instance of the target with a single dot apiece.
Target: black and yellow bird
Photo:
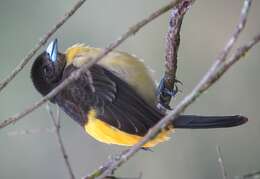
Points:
(118, 105)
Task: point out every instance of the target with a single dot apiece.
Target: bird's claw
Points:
(162, 90)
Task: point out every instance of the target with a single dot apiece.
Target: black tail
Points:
(203, 122)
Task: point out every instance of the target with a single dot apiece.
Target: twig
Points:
(240, 52)
(98, 172)
(56, 123)
(42, 42)
(208, 80)
(253, 175)
(221, 163)
(104, 167)
(75, 75)
(239, 28)
(167, 85)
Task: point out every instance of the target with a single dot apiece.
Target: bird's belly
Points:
(105, 133)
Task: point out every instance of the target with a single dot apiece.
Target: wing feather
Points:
(115, 102)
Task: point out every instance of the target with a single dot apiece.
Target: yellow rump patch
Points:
(105, 133)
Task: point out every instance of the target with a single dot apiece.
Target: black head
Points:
(47, 69)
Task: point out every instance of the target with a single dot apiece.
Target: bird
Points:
(115, 99)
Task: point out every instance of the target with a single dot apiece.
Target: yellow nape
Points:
(75, 51)
(105, 133)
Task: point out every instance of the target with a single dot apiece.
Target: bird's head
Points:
(47, 69)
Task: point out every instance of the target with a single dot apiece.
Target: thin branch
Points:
(253, 175)
(167, 85)
(100, 170)
(241, 25)
(56, 123)
(42, 42)
(240, 53)
(239, 28)
(104, 167)
(75, 75)
(221, 163)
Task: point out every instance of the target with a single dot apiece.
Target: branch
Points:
(252, 175)
(239, 28)
(167, 85)
(42, 42)
(56, 123)
(75, 75)
(221, 163)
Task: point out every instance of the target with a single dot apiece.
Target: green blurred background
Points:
(190, 153)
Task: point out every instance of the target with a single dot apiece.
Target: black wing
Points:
(114, 100)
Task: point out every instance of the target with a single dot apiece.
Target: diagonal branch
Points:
(75, 75)
(56, 123)
(239, 28)
(42, 42)
(251, 175)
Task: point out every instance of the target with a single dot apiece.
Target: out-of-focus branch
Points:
(75, 75)
(252, 175)
(221, 163)
(103, 168)
(42, 42)
(208, 80)
(56, 123)
(98, 171)
(166, 88)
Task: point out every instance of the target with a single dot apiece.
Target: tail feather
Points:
(204, 122)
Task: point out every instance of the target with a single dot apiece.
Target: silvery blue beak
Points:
(52, 50)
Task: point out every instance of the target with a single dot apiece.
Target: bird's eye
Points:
(48, 70)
